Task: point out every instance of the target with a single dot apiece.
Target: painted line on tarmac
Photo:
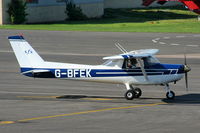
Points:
(193, 45)
(166, 37)
(98, 99)
(103, 55)
(6, 122)
(162, 43)
(80, 113)
(175, 44)
(37, 97)
(158, 41)
(60, 53)
(180, 36)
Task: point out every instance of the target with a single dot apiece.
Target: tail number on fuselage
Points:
(72, 73)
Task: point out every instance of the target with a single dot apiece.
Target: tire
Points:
(170, 95)
(138, 92)
(130, 95)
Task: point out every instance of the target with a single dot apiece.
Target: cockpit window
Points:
(148, 61)
(133, 63)
(130, 63)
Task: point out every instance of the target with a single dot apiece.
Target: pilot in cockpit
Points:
(131, 63)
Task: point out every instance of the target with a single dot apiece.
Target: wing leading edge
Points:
(133, 54)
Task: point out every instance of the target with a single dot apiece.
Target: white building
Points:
(54, 10)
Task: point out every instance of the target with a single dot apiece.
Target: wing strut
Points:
(142, 68)
(121, 48)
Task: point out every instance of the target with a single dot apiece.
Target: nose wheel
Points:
(170, 94)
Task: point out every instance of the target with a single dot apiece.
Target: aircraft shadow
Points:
(185, 99)
(182, 99)
(85, 96)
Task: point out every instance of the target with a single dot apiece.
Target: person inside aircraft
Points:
(131, 63)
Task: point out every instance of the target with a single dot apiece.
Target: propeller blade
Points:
(186, 81)
(185, 59)
(186, 69)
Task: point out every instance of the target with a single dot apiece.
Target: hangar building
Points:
(54, 10)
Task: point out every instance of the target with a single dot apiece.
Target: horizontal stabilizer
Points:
(35, 71)
(39, 73)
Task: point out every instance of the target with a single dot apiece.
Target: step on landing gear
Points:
(170, 94)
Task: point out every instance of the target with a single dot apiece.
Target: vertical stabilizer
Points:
(26, 56)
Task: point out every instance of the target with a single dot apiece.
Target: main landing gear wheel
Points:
(133, 93)
(130, 94)
(138, 92)
(170, 95)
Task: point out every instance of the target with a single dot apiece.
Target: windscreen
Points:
(148, 61)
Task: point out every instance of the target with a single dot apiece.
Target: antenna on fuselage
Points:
(121, 48)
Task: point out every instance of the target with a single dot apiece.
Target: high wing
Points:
(133, 54)
(193, 5)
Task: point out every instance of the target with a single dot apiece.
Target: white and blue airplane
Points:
(134, 68)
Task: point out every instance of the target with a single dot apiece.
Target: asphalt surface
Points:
(30, 105)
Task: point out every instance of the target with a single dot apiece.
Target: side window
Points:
(130, 63)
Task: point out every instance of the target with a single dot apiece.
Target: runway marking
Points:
(80, 113)
(193, 45)
(155, 41)
(166, 37)
(60, 53)
(6, 122)
(162, 43)
(175, 44)
(180, 36)
(97, 99)
(37, 96)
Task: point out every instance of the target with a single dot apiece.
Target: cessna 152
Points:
(193, 5)
(133, 68)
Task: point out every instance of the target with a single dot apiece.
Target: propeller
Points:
(186, 70)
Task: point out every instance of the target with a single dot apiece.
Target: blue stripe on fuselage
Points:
(156, 69)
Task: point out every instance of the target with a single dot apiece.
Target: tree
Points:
(17, 11)
(74, 12)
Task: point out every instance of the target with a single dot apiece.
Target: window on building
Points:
(32, 1)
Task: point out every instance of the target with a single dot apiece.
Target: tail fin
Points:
(26, 56)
